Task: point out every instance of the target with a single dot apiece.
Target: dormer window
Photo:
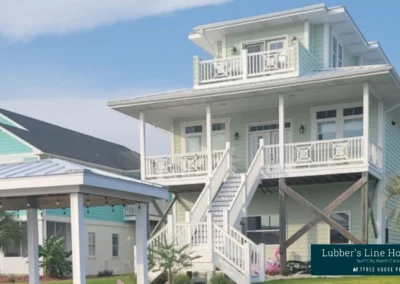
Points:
(337, 53)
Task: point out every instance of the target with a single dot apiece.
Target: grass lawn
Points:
(352, 280)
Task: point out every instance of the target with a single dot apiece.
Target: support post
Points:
(33, 246)
(189, 232)
(247, 263)
(209, 140)
(225, 220)
(281, 131)
(307, 34)
(142, 145)
(364, 212)
(141, 244)
(261, 264)
(326, 45)
(282, 225)
(380, 208)
(245, 63)
(210, 232)
(171, 226)
(78, 243)
(366, 122)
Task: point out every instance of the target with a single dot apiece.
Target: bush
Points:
(181, 279)
(11, 279)
(105, 273)
(220, 279)
(55, 260)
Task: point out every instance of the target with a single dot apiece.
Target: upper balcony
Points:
(265, 65)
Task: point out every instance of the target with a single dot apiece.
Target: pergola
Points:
(56, 183)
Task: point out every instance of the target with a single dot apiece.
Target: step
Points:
(224, 198)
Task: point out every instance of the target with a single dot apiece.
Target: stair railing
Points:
(212, 187)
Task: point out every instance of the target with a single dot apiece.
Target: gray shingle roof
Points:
(56, 140)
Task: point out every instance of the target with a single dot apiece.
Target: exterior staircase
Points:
(209, 227)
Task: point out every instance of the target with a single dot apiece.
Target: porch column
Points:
(209, 140)
(33, 245)
(142, 145)
(141, 244)
(364, 211)
(380, 187)
(366, 122)
(282, 225)
(78, 239)
(307, 34)
(281, 131)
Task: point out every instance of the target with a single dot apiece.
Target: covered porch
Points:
(55, 183)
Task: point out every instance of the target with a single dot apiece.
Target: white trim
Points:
(339, 117)
(338, 43)
(34, 149)
(12, 121)
(348, 212)
(307, 33)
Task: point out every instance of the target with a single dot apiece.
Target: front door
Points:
(270, 138)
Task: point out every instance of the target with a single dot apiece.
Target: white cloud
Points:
(24, 19)
(92, 117)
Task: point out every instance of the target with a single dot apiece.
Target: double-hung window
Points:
(14, 250)
(92, 244)
(218, 136)
(337, 53)
(263, 229)
(194, 138)
(339, 122)
(343, 219)
(115, 245)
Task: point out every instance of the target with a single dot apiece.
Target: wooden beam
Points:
(364, 212)
(158, 209)
(298, 198)
(372, 216)
(164, 216)
(328, 210)
(282, 226)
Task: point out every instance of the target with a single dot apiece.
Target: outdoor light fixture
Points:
(234, 50)
(87, 200)
(64, 211)
(112, 206)
(393, 123)
(301, 129)
(58, 202)
(236, 136)
(106, 201)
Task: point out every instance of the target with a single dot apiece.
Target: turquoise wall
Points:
(6, 121)
(9, 145)
(100, 213)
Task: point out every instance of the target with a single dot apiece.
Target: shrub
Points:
(55, 260)
(11, 279)
(181, 279)
(105, 273)
(220, 279)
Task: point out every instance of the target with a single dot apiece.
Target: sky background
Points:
(61, 61)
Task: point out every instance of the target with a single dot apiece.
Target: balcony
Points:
(266, 65)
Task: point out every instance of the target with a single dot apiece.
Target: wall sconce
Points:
(393, 123)
(234, 50)
(236, 136)
(301, 129)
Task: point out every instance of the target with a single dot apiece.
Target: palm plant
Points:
(392, 195)
(11, 232)
(170, 258)
(55, 262)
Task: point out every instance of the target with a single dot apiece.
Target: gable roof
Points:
(59, 141)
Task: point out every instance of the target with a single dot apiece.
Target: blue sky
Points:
(61, 65)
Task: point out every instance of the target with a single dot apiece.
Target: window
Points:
(267, 127)
(263, 229)
(337, 53)
(218, 136)
(17, 251)
(92, 244)
(193, 138)
(343, 219)
(60, 229)
(340, 122)
(115, 245)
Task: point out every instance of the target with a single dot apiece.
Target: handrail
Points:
(211, 188)
(254, 251)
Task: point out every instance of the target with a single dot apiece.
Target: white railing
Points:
(271, 154)
(229, 249)
(255, 259)
(270, 62)
(247, 188)
(161, 237)
(324, 152)
(221, 69)
(189, 164)
(191, 233)
(211, 188)
(375, 155)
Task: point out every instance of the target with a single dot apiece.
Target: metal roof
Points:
(53, 167)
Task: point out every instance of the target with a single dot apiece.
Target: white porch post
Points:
(380, 187)
(281, 131)
(141, 244)
(142, 145)
(366, 122)
(78, 243)
(209, 140)
(307, 34)
(33, 246)
(326, 45)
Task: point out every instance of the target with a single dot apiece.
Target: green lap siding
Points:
(9, 145)
(317, 44)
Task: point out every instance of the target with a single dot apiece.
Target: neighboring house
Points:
(109, 230)
(292, 110)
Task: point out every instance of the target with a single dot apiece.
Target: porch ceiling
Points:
(161, 112)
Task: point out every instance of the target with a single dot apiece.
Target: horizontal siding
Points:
(298, 215)
(100, 213)
(392, 168)
(9, 145)
(317, 44)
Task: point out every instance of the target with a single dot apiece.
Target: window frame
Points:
(348, 212)
(203, 134)
(339, 45)
(23, 252)
(92, 245)
(284, 38)
(113, 245)
(340, 118)
(267, 230)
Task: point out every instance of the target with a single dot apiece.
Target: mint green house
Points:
(110, 230)
(286, 139)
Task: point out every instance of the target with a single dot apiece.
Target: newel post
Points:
(245, 63)
(187, 221)
(171, 226)
(225, 220)
(261, 262)
(247, 263)
(210, 235)
(262, 151)
(281, 132)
